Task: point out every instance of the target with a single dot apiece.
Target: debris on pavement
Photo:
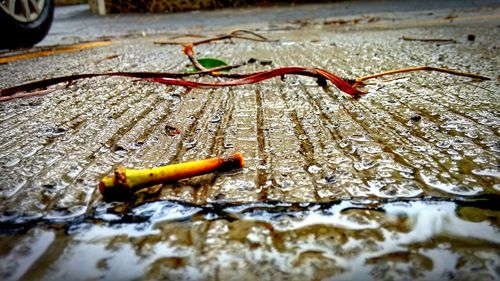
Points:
(213, 67)
(386, 186)
(359, 81)
(53, 50)
(124, 182)
(236, 34)
(429, 40)
(169, 78)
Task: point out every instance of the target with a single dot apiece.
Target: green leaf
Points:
(209, 63)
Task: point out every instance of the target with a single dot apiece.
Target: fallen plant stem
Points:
(4, 93)
(172, 78)
(10, 93)
(212, 71)
(36, 93)
(359, 81)
(187, 35)
(235, 34)
(431, 40)
(189, 52)
(124, 182)
(340, 83)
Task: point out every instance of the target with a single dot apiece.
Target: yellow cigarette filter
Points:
(124, 181)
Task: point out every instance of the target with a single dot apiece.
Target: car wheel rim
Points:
(23, 10)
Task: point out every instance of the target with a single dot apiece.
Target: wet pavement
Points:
(77, 23)
(399, 184)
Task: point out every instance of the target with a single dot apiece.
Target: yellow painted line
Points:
(55, 51)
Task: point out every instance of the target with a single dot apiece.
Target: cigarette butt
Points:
(124, 181)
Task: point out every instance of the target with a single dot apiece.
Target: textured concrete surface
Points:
(401, 183)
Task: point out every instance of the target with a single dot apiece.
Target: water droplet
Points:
(12, 162)
(190, 143)
(74, 171)
(313, 169)
(364, 164)
(372, 149)
(217, 117)
(443, 144)
(433, 181)
(344, 143)
(491, 172)
(359, 138)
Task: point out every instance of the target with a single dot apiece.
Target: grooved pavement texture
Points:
(413, 136)
(425, 134)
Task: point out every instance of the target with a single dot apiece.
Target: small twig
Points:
(187, 47)
(431, 40)
(106, 58)
(235, 34)
(214, 71)
(213, 39)
(359, 81)
(189, 52)
(175, 40)
(394, 79)
(260, 37)
(445, 43)
(187, 35)
(124, 182)
(169, 42)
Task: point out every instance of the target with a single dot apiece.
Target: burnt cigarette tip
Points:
(233, 161)
(239, 158)
(114, 191)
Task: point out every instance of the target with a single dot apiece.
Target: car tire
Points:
(19, 30)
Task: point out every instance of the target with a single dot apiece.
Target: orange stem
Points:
(359, 81)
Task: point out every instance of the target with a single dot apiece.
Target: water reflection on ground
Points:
(348, 240)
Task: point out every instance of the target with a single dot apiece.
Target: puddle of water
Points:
(25, 253)
(349, 240)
